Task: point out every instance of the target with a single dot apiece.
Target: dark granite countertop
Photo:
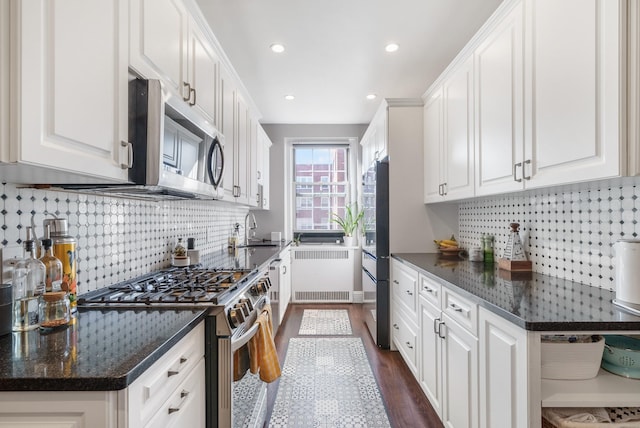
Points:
(107, 349)
(103, 350)
(532, 301)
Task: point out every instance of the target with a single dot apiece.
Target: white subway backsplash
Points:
(118, 238)
(567, 232)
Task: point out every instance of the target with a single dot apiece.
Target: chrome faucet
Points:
(253, 226)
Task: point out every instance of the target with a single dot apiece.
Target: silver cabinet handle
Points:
(395, 281)
(259, 175)
(527, 162)
(188, 86)
(440, 334)
(455, 307)
(192, 91)
(396, 326)
(436, 329)
(408, 292)
(440, 190)
(129, 147)
(183, 394)
(515, 167)
(427, 289)
(284, 270)
(444, 189)
(409, 345)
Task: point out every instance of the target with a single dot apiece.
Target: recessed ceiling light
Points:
(277, 48)
(371, 96)
(289, 97)
(391, 47)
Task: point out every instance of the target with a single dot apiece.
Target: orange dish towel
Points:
(262, 349)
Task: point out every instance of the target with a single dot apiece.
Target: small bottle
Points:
(487, 248)
(180, 250)
(65, 250)
(28, 285)
(53, 268)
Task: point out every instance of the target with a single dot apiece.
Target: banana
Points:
(449, 242)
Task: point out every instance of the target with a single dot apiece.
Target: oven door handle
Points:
(245, 338)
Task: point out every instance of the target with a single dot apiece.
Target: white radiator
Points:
(322, 275)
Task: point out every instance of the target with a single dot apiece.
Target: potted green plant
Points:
(348, 223)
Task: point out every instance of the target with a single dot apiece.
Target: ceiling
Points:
(335, 52)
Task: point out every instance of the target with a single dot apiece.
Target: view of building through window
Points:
(321, 185)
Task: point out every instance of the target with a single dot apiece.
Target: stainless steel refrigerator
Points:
(375, 253)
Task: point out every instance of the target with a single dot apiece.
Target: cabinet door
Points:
(503, 373)
(574, 104)
(499, 107)
(430, 360)
(458, 133)
(203, 75)
(159, 39)
(405, 337)
(73, 102)
(404, 285)
(460, 376)
(254, 196)
(227, 128)
(433, 157)
(243, 137)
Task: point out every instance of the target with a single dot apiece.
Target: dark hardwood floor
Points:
(406, 404)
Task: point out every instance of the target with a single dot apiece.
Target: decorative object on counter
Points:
(622, 356)
(6, 304)
(65, 250)
(179, 256)
(54, 310)
(348, 223)
(513, 258)
(571, 357)
(234, 239)
(627, 272)
(28, 284)
(487, 248)
(194, 255)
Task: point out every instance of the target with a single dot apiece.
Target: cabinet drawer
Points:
(461, 310)
(430, 290)
(147, 393)
(404, 282)
(185, 406)
(405, 337)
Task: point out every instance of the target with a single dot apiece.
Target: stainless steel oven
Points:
(234, 299)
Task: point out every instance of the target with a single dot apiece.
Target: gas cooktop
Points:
(187, 285)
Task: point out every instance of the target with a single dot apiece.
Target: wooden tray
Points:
(515, 265)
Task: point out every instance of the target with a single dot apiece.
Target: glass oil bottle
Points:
(28, 284)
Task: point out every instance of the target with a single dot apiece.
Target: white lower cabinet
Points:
(405, 337)
(171, 393)
(59, 409)
(448, 355)
(504, 380)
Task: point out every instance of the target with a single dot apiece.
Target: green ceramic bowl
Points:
(621, 356)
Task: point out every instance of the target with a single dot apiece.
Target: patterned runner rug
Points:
(327, 382)
(325, 322)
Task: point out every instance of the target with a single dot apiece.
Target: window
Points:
(321, 185)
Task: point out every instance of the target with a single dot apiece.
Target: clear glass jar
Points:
(54, 310)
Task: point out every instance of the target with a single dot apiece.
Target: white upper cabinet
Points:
(70, 104)
(433, 150)
(573, 91)
(549, 101)
(499, 106)
(167, 44)
(262, 159)
(448, 137)
(228, 129)
(374, 140)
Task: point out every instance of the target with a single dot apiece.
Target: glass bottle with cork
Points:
(64, 249)
(487, 248)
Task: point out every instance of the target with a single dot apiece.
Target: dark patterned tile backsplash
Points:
(118, 238)
(567, 233)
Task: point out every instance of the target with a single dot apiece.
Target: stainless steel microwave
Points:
(175, 152)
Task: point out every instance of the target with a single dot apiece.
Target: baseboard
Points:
(358, 296)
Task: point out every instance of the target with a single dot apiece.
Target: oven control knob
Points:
(248, 303)
(236, 317)
(244, 308)
(256, 289)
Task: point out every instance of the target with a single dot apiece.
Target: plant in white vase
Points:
(348, 223)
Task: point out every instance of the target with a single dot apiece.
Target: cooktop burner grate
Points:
(176, 285)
